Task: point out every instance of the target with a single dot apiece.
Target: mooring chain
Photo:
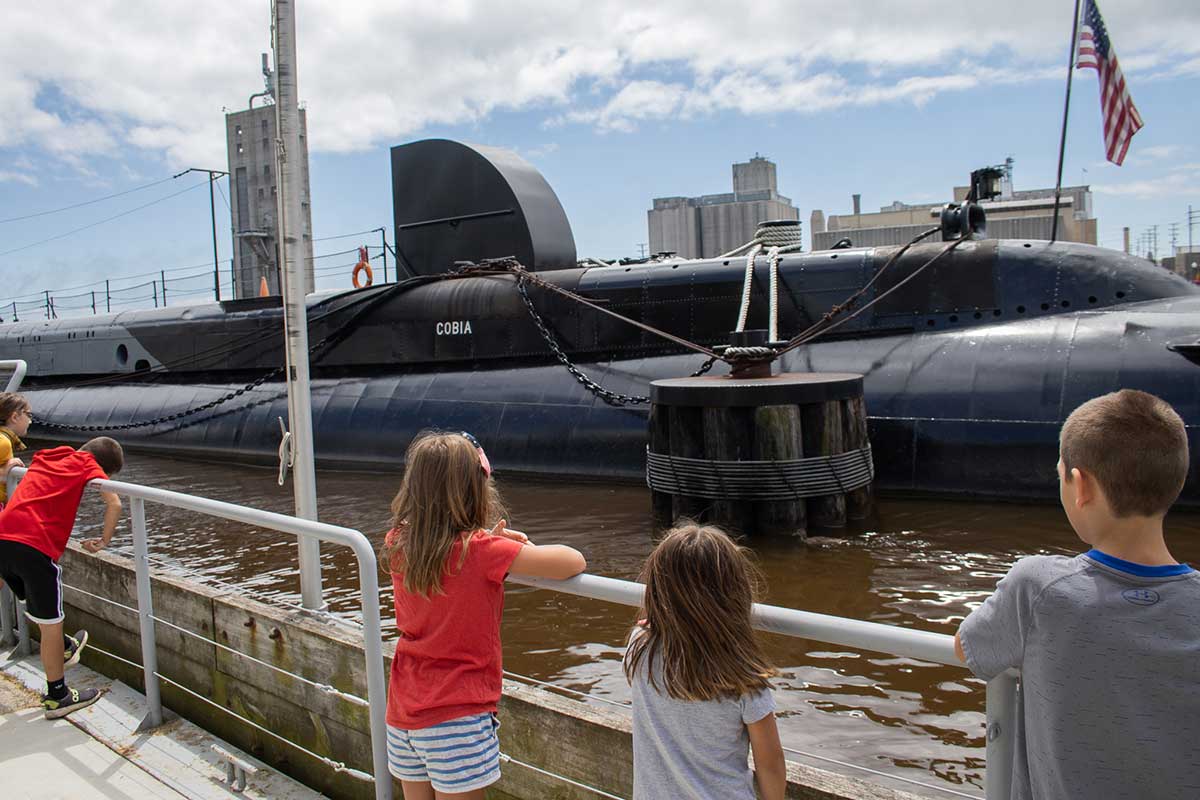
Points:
(608, 396)
(225, 398)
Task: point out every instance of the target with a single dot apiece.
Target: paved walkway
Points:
(97, 752)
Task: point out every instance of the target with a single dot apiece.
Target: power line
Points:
(224, 199)
(86, 202)
(102, 221)
(346, 235)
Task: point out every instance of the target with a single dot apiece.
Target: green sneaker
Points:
(74, 700)
(73, 646)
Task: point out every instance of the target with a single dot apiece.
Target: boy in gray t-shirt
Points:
(1108, 642)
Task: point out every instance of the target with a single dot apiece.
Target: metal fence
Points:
(376, 700)
(924, 645)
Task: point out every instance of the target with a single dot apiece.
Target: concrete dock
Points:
(97, 752)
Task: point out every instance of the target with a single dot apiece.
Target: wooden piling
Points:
(778, 437)
(743, 452)
(729, 436)
(859, 502)
(823, 436)
(686, 431)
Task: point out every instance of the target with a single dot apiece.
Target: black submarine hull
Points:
(969, 412)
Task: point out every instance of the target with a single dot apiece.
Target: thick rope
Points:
(747, 283)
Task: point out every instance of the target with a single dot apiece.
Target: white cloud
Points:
(1160, 152)
(17, 177)
(138, 73)
(1174, 183)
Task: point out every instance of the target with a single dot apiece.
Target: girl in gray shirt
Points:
(701, 696)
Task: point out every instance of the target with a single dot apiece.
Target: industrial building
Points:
(1012, 215)
(707, 226)
(250, 139)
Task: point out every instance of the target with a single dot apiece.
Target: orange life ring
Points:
(363, 265)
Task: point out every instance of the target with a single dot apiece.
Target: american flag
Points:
(1121, 118)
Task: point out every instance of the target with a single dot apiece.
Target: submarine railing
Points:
(376, 701)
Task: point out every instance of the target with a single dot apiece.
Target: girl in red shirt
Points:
(449, 552)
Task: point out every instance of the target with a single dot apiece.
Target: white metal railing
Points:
(8, 612)
(923, 645)
(376, 699)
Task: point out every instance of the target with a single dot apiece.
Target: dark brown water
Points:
(917, 564)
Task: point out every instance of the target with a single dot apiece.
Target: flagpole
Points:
(1062, 141)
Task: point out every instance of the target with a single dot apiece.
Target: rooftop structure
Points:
(1026, 214)
(712, 224)
(254, 186)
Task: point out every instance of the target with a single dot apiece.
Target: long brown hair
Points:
(444, 497)
(700, 589)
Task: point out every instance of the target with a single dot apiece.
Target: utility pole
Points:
(1193, 216)
(641, 246)
(295, 309)
(1154, 239)
(213, 175)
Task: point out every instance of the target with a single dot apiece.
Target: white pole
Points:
(295, 320)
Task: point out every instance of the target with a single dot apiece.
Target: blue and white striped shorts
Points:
(455, 756)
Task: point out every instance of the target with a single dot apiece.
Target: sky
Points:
(614, 102)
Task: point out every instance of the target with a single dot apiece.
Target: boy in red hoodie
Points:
(34, 528)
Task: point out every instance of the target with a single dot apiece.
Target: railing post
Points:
(368, 584)
(19, 368)
(141, 563)
(23, 646)
(8, 629)
(1002, 698)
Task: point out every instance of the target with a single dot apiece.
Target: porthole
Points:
(834, 256)
(1065, 304)
(725, 262)
(996, 313)
(954, 317)
(930, 323)
(1045, 306)
(1092, 299)
(141, 364)
(1120, 295)
(1027, 244)
(1020, 309)
(122, 355)
(978, 315)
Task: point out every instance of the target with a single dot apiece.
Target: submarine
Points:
(973, 350)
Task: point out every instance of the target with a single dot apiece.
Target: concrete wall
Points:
(588, 744)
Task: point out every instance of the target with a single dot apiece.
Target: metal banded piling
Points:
(770, 455)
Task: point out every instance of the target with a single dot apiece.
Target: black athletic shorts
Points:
(35, 579)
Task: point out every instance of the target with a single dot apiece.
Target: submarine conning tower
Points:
(456, 202)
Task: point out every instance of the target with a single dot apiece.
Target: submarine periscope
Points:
(972, 351)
